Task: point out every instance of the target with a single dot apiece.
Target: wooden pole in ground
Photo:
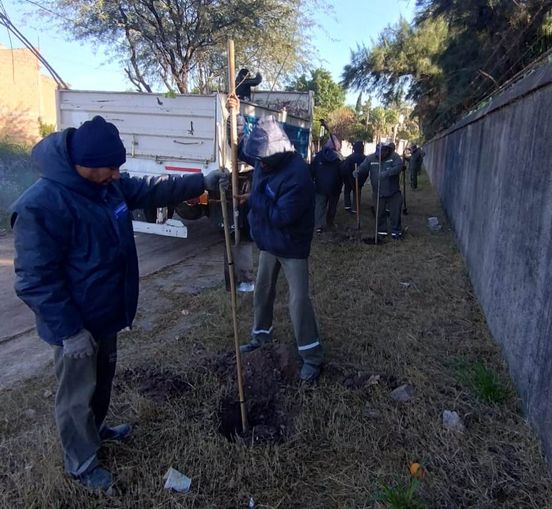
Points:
(357, 197)
(378, 192)
(233, 139)
(228, 241)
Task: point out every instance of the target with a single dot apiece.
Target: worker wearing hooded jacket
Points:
(281, 219)
(76, 268)
(326, 172)
(348, 166)
(384, 168)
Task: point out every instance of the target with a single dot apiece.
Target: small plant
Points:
(483, 381)
(44, 128)
(402, 497)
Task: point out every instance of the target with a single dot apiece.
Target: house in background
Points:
(27, 96)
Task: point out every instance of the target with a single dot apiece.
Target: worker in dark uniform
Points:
(347, 167)
(244, 84)
(415, 165)
(384, 168)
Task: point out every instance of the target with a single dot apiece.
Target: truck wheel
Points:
(151, 214)
(191, 212)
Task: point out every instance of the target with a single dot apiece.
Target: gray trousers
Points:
(305, 326)
(82, 401)
(393, 204)
(325, 210)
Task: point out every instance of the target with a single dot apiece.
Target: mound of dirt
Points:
(266, 372)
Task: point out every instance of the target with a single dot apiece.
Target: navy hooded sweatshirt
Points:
(326, 172)
(76, 264)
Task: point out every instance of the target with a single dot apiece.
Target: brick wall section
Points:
(25, 93)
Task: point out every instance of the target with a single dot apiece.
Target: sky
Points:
(85, 67)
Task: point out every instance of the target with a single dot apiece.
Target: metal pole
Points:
(233, 139)
(228, 241)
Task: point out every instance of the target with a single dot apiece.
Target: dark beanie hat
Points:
(96, 144)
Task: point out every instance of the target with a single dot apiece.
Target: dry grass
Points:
(427, 333)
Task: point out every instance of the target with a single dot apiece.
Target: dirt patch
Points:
(267, 372)
(154, 384)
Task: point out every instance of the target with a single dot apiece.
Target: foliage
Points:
(402, 497)
(328, 95)
(483, 382)
(182, 43)
(454, 54)
(45, 129)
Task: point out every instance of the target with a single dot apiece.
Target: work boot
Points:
(116, 433)
(252, 345)
(97, 479)
(309, 373)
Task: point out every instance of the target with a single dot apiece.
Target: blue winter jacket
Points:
(281, 207)
(76, 265)
(326, 172)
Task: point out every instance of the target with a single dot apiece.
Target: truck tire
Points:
(191, 212)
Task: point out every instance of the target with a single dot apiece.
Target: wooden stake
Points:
(233, 139)
(230, 257)
(357, 197)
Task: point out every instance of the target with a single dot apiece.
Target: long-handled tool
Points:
(357, 197)
(405, 209)
(230, 257)
(233, 139)
(378, 194)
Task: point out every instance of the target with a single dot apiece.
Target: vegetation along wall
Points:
(493, 172)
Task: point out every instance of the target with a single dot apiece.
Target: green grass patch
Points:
(483, 381)
(401, 496)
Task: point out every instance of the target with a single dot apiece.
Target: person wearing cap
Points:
(384, 168)
(244, 84)
(281, 219)
(415, 165)
(77, 269)
(348, 166)
(326, 173)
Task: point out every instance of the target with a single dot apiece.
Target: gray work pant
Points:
(393, 204)
(305, 326)
(82, 401)
(325, 210)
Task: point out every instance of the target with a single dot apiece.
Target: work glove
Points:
(356, 173)
(215, 179)
(79, 346)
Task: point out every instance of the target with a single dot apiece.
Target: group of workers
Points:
(77, 269)
(332, 173)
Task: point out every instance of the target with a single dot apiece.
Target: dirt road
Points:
(200, 265)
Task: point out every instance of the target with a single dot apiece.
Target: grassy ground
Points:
(402, 310)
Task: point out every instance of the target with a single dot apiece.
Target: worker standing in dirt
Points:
(77, 269)
(281, 219)
(415, 165)
(348, 166)
(328, 181)
(384, 168)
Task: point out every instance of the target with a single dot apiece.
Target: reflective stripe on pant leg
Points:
(74, 417)
(263, 299)
(305, 326)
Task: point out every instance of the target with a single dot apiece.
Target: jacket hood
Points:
(52, 158)
(329, 155)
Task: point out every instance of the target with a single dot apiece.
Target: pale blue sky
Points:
(354, 21)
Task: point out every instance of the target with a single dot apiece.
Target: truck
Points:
(169, 134)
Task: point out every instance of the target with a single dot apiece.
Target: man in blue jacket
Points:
(326, 172)
(77, 269)
(348, 166)
(281, 219)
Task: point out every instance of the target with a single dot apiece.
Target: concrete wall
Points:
(25, 95)
(493, 172)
